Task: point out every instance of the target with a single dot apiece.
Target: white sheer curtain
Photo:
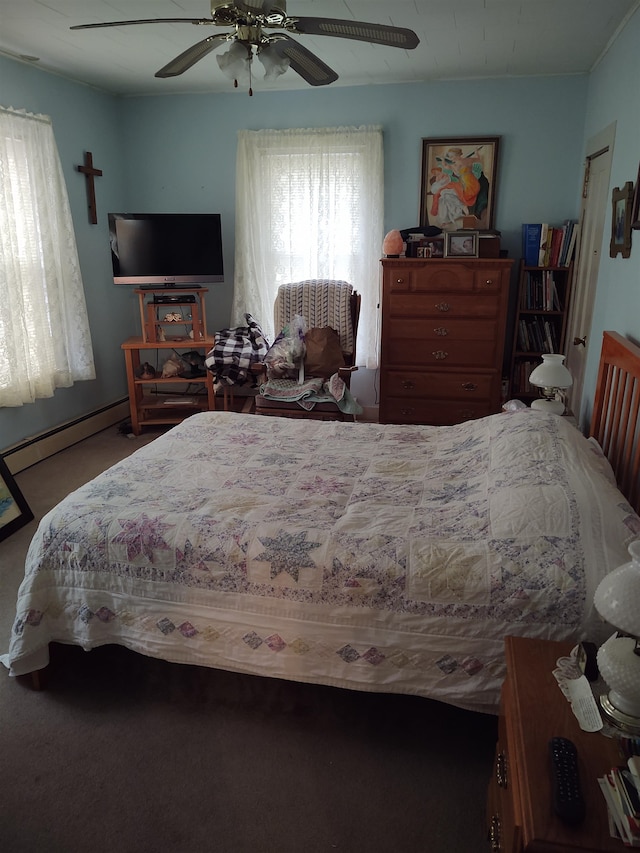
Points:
(45, 341)
(309, 204)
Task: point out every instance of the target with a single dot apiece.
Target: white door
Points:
(595, 199)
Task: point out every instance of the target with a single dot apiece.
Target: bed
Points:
(390, 558)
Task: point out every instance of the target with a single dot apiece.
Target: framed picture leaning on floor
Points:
(14, 510)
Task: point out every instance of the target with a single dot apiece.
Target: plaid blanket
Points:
(234, 351)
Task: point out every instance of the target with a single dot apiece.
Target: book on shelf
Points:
(545, 245)
(540, 292)
(537, 335)
(542, 251)
(571, 245)
(556, 247)
(622, 797)
(531, 243)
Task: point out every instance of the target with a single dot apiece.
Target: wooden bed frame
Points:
(615, 423)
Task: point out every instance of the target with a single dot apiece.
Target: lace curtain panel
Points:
(309, 205)
(45, 342)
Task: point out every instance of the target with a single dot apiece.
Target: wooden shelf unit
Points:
(162, 400)
(535, 293)
(155, 327)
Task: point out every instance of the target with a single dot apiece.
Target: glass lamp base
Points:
(554, 407)
(618, 718)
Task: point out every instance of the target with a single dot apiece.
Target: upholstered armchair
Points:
(323, 392)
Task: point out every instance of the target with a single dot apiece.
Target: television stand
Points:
(154, 399)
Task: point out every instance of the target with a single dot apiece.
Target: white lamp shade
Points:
(274, 64)
(236, 62)
(551, 373)
(617, 598)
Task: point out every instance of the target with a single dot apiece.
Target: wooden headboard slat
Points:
(616, 424)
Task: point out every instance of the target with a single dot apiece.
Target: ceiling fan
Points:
(249, 19)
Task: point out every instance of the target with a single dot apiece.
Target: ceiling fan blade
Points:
(191, 55)
(143, 21)
(310, 67)
(359, 30)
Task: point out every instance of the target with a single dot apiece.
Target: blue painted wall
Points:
(613, 96)
(177, 153)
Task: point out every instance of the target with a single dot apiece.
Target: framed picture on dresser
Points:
(461, 244)
(458, 188)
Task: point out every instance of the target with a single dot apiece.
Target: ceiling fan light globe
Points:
(236, 62)
(274, 64)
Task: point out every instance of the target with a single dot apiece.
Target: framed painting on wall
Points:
(635, 208)
(621, 200)
(14, 510)
(459, 178)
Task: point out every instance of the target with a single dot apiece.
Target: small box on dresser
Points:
(443, 334)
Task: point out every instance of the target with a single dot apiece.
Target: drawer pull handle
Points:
(406, 412)
(440, 355)
(399, 281)
(494, 834)
(441, 331)
(443, 306)
(488, 282)
(408, 384)
(469, 386)
(466, 415)
(501, 770)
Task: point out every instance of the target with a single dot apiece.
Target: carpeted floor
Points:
(127, 754)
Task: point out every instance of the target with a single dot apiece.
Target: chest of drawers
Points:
(443, 332)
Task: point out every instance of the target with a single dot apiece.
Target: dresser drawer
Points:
(462, 385)
(448, 276)
(399, 410)
(417, 330)
(503, 834)
(444, 352)
(441, 304)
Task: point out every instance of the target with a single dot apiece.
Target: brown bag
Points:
(323, 352)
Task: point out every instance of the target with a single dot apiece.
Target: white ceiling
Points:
(459, 39)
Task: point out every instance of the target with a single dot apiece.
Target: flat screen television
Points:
(166, 249)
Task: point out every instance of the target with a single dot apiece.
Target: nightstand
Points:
(533, 710)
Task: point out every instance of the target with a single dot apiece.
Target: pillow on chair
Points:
(324, 354)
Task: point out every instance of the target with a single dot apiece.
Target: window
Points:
(45, 341)
(309, 204)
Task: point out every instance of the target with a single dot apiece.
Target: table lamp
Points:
(617, 600)
(552, 377)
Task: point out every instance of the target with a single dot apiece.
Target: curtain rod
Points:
(24, 114)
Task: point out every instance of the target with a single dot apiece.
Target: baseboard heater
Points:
(41, 446)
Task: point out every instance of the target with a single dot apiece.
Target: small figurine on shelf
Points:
(146, 371)
(173, 366)
(196, 361)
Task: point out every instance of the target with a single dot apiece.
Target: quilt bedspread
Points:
(378, 557)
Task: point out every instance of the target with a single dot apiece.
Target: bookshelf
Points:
(540, 322)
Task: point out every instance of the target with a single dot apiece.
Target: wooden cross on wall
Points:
(90, 172)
